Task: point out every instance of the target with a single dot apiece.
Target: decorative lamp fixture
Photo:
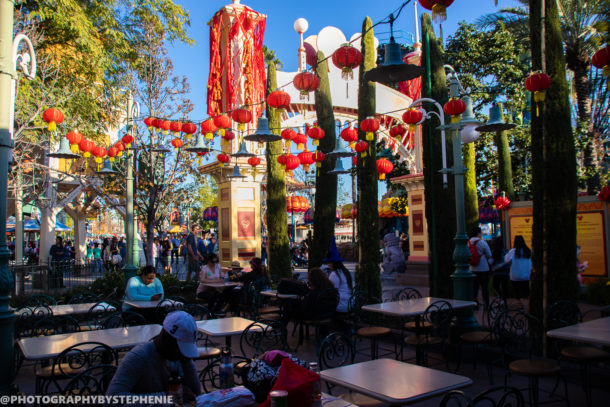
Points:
(120, 147)
(393, 68)
(278, 99)
(53, 117)
(149, 122)
(222, 122)
(316, 134)
(412, 117)
(208, 128)
(339, 169)
(495, 122)
(200, 146)
(346, 58)
(306, 82)
(288, 135)
(112, 152)
(243, 151)
(161, 148)
(361, 148)
(177, 143)
(292, 162)
(300, 139)
(601, 60)
(164, 125)
(306, 159)
(369, 125)
(340, 150)
(74, 137)
(175, 128)
(469, 123)
(454, 108)
(189, 129)
(236, 174)
(127, 140)
(538, 83)
(350, 135)
(242, 116)
(438, 8)
(318, 157)
(384, 167)
(262, 133)
(106, 169)
(85, 146)
(398, 131)
(64, 150)
(223, 159)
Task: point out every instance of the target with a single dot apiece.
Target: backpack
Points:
(475, 256)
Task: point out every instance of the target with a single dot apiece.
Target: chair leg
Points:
(533, 391)
(586, 382)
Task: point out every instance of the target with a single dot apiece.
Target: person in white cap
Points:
(147, 368)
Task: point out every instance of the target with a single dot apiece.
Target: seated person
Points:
(318, 281)
(236, 271)
(257, 277)
(147, 368)
(341, 279)
(211, 273)
(145, 287)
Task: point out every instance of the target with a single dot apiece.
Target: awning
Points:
(32, 225)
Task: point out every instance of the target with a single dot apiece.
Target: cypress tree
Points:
(505, 170)
(440, 200)
(555, 173)
(277, 224)
(471, 198)
(326, 184)
(367, 274)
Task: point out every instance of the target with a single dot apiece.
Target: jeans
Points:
(97, 265)
(482, 279)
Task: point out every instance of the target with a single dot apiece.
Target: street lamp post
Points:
(131, 262)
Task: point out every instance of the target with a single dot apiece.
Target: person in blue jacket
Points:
(145, 287)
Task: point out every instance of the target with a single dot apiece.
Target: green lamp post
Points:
(132, 260)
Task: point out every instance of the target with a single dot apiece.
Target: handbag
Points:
(116, 259)
(292, 286)
(297, 381)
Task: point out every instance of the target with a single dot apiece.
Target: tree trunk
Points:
(505, 170)
(471, 198)
(278, 247)
(440, 200)
(367, 275)
(326, 184)
(553, 172)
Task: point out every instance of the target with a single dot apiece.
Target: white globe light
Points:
(469, 134)
(301, 25)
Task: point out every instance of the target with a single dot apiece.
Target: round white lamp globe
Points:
(469, 134)
(301, 25)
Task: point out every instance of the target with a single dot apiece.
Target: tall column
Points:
(7, 281)
(132, 248)
(18, 217)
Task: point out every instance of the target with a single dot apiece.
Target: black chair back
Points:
(198, 312)
(499, 396)
(99, 312)
(326, 304)
(262, 336)
(27, 317)
(336, 350)
(39, 300)
(516, 333)
(84, 298)
(56, 325)
(94, 380)
(407, 293)
(123, 320)
(563, 313)
(439, 314)
(166, 306)
(497, 307)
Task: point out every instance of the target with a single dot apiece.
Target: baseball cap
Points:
(182, 327)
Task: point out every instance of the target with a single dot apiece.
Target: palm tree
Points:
(580, 40)
(269, 56)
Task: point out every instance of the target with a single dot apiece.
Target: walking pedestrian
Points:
(479, 264)
(520, 259)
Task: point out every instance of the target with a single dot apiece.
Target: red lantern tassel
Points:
(439, 13)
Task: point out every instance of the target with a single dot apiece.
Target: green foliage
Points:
(367, 274)
(325, 203)
(471, 199)
(202, 193)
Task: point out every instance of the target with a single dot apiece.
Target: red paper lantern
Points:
(398, 131)
(412, 117)
(208, 128)
(177, 143)
(306, 159)
(604, 194)
(304, 204)
(289, 204)
(121, 147)
(53, 117)
(99, 153)
(229, 135)
(223, 159)
(278, 99)
(454, 108)
(164, 125)
(288, 135)
(292, 162)
(318, 157)
(355, 160)
(85, 146)
(306, 82)
(149, 122)
(127, 140)
(300, 139)
(538, 83)
(369, 125)
(349, 135)
(438, 7)
(222, 122)
(282, 160)
(316, 134)
(112, 152)
(361, 148)
(254, 161)
(346, 58)
(384, 167)
(601, 60)
(175, 128)
(502, 203)
(74, 137)
(241, 116)
(189, 128)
